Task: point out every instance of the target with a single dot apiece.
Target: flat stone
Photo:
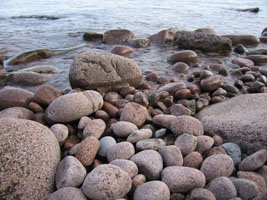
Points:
(91, 70)
(139, 135)
(97, 184)
(182, 179)
(246, 40)
(122, 150)
(258, 59)
(67, 193)
(153, 144)
(179, 109)
(127, 165)
(243, 62)
(227, 120)
(17, 112)
(27, 146)
(171, 155)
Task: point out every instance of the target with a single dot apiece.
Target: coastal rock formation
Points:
(29, 155)
(240, 120)
(90, 70)
(202, 41)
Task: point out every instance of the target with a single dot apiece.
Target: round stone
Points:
(105, 143)
(27, 146)
(138, 135)
(193, 160)
(149, 163)
(186, 56)
(70, 173)
(107, 182)
(122, 150)
(94, 128)
(186, 143)
(171, 155)
(222, 188)
(127, 165)
(61, 132)
(234, 151)
(204, 143)
(152, 190)
(217, 165)
(67, 193)
(123, 128)
(182, 179)
(181, 67)
(210, 83)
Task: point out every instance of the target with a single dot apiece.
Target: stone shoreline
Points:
(123, 134)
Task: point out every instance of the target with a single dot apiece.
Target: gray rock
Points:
(122, 150)
(149, 163)
(73, 106)
(246, 189)
(160, 133)
(123, 128)
(90, 70)
(61, 132)
(171, 155)
(70, 173)
(105, 144)
(140, 134)
(182, 179)
(153, 144)
(234, 151)
(106, 182)
(186, 143)
(152, 190)
(127, 165)
(29, 155)
(17, 112)
(67, 193)
(227, 120)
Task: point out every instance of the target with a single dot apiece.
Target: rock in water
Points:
(29, 155)
(90, 70)
(240, 120)
(202, 41)
(73, 106)
(246, 40)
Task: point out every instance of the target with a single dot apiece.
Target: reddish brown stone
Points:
(193, 160)
(122, 50)
(117, 36)
(35, 107)
(163, 36)
(46, 94)
(71, 142)
(101, 114)
(183, 94)
(110, 109)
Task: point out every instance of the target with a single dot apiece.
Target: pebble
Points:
(243, 62)
(138, 135)
(71, 141)
(172, 87)
(217, 165)
(17, 112)
(107, 182)
(138, 180)
(35, 107)
(67, 193)
(193, 160)
(149, 163)
(263, 172)
(254, 161)
(186, 143)
(117, 36)
(222, 188)
(204, 143)
(214, 151)
(94, 128)
(163, 120)
(134, 113)
(217, 140)
(101, 114)
(141, 98)
(186, 56)
(153, 144)
(152, 190)
(112, 110)
(87, 150)
(127, 165)
(61, 132)
(171, 155)
(112, 97)
(211, 83)
(234, 151)
(200, 194)
(181, 67)
(122, 150)
(122, 50)
(182, 179)
(253, 176)
(105, 143)
(160, 133)
(123, 128)
(179, 109)
(70, 173)
(83, 122)
(45, 94)
(246, 189)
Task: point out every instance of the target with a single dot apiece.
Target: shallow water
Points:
(27, 25)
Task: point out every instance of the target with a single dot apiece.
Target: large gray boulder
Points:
(202, 41)
(29, 155)
(241, 120)
(90, 70)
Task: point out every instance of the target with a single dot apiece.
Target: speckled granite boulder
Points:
(29, 155)
(240, 120)
(90, 70)
(73, 106)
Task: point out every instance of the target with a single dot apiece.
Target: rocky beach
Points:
(193, 130)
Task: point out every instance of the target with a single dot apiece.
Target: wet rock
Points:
(162, 37)
(171, 155)
(139, 42)
(73, 106)
(138, 135)
(245, 189)
(255, 10)
(208, 31)
(240, 49)
(246, 40)
(202, 41)
(220, 69)
(14, 97)
(122, 150)
(17, 112)
(211, 83)
(61, 132)
(67, 193)
(91, 70)
(97, 184)
(182, 179)
(94, 128)
(117, 36)
(186, 124)
(122, 50)
(260, 51)
(255, 177)
(172, 87)
(70, 173)
(92, 36)
(87, 150)
(234, 151)
(46, 94)
(186, 143)
(183, 94)
(193, 160)
(153, 144)
(204, 143)
(258, 59)
(230, 89)
(222, 188)
(123, 128)
(243, 62)
(247, 132)
(105, 143)
(149, 163)
(134, 113)
(181, 67)
(152, 190)
(217, 165)
(186, 56)
(127, 165)
(38, 155)
(141, 98)
(200, 193)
